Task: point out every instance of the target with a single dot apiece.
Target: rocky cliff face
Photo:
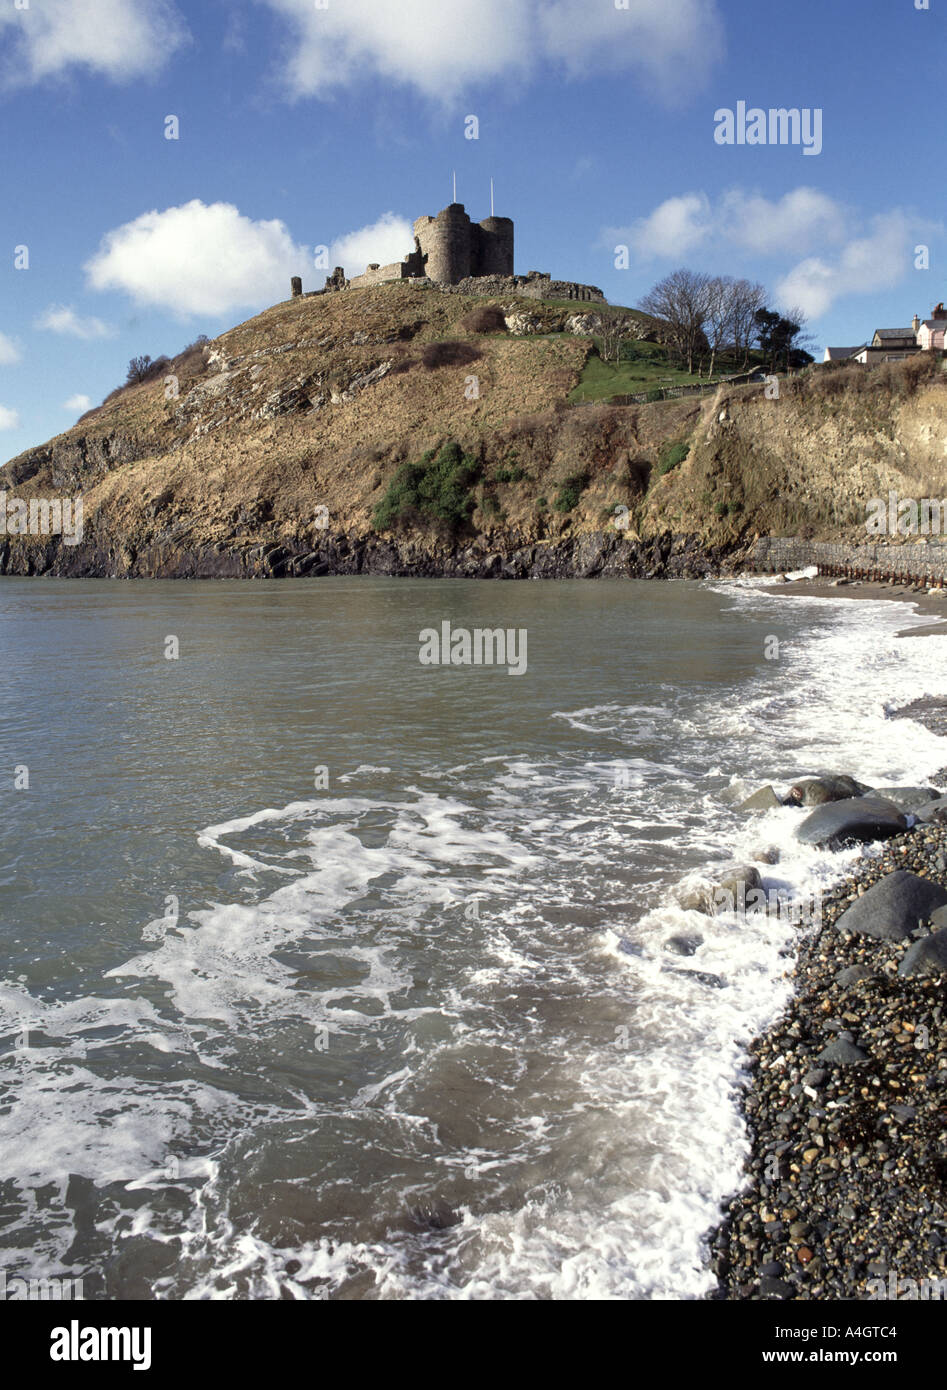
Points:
(268, 452)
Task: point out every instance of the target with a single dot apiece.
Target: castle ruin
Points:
(453, 253)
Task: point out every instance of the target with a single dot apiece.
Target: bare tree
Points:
(746, 300)
(681, 301)
(719, 322)
(614, 332)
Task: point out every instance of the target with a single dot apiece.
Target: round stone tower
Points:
(496, 247)
(445, 243)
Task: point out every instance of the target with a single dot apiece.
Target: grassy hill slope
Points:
(290, 430)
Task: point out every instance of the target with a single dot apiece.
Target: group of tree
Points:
(700, 316)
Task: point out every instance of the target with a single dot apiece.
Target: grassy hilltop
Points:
(399, 429)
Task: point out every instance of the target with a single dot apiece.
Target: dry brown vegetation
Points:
(319, 401)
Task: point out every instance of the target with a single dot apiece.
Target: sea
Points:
(331, 972)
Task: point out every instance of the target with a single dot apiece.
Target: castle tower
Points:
(445, 243)
(496, 247)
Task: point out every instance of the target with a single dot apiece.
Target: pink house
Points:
(929, 335)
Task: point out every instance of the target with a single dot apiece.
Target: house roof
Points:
(839, 352)
(894, 333)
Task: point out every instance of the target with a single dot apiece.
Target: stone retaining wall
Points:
(912, 562)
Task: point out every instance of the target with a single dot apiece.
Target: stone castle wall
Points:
(454, 248)
(454, 253)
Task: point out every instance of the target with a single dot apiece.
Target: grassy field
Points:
(646, 369)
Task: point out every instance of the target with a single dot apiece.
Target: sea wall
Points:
(920, 562)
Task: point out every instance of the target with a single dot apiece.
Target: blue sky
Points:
(307, 123)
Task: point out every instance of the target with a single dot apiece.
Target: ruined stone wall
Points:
(913, 561)
(529, 287)
(409, 268)
(377, 276)
(562, 289)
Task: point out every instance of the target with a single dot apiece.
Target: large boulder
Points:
(909, 799)
(522, 324)
(731, 892)
(932, 811)
(763, 800)
(584, 325)
(927, 956)
(817, 791)
(856, 819)
(893, 907)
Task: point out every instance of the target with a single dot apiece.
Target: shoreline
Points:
(860, 589)
(844, 1193)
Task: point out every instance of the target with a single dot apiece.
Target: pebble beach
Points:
(845, 1099)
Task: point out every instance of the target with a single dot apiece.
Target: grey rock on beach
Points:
(861, 818)
(894, 907)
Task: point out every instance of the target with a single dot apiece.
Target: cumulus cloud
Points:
(876, 261)
(77, 402)
(802, 219)
(387, 240)
(9, 352)
(833, 251)
(674, 229)
(9, 419)
(63, 319)
(674, 44)
(117, 39)
(198, 258)
(441, 47)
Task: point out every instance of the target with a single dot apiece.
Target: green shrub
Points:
(435, 489)
(672, 453)
(656, 394)
(509, 475)
(567, 498)
(541, 504)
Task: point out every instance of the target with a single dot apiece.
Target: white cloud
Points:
(442, 47)
(198, 259)
(77, 402)
(387, 240)
(834, 251)
(63, 319)
(674, 229)
(876, 261)
(674, 44)
(9, 352)
(9, 419)
(799, 221)
(119, 39)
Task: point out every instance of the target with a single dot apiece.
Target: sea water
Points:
(329, 973)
